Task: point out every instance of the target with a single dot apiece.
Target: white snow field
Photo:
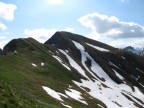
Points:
(98, 48)
(34, 65)
(74, 64)
(60, 61)
(118, 75)
(75, 95)
(53, 93)
(112, 94)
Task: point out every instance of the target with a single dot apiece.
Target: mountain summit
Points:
(63, 39)
(70, 71)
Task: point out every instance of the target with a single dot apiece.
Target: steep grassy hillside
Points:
(21, 77)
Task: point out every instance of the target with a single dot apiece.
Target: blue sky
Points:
(116, 22)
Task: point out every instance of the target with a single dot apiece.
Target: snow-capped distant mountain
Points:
(142, 52)
(137, 51)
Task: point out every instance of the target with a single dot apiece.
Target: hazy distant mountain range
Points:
(137, 51)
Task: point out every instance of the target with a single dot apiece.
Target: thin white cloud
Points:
(43, 34)
(2, 26)
(3, 41)
(111, 30)
(55, 2)
(6, 13)
(2, 37)
(137, 43)
(111, 26)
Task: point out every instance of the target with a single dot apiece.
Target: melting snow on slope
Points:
(74, 64)
(139, 70)
(100, 105)
(59, 59)
(118, 75)
(94, 66)
(33, 64)
(53, 93)
(42, 64)
(66, 105)
(141, 85)
(75, 95)
(123, 57)
(108, 92)
(98, 48)
(113, 64)
(112, 97)
(84, 56)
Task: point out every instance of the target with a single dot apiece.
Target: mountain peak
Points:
(60, 39)
(129, 48)
(137, 51)
(63, 40)
(17, 44)
(11, 46)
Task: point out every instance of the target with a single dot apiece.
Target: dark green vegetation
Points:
(21, 83)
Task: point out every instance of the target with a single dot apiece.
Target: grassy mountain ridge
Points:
(22, 74)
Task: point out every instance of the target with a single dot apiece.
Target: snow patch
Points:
(113, 64)
(33, 64)
(51, 52)
(141, 85)
(123, 57)
(53, 93)
(74, 64)
(100, 105)
(112, 96)
(60, 61)
(118, 75)
(85, 55)
(137, 93)
(42, 64)
(94, 66)
(139, 70)
(75, 95)
(136, 78)
(66, 105)
(66, 51)
(98, 48)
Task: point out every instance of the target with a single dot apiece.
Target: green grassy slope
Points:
(21, 83)
(20, 76)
